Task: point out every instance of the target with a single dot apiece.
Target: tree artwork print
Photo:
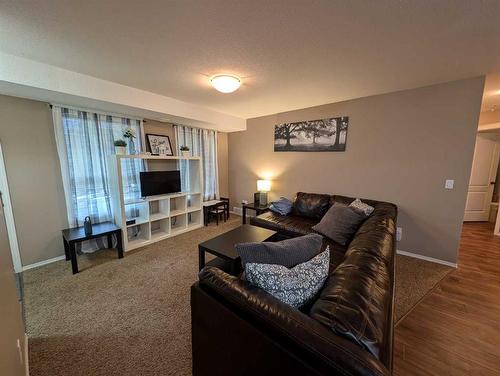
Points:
(312, 135)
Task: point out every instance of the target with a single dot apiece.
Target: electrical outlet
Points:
(399, 234)
(449, 183)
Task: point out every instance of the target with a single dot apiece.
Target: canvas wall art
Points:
(312, 135)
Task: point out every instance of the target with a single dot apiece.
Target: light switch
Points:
(449, 184)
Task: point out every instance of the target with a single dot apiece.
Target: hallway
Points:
(455, 329)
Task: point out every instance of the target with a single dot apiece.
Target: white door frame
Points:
(9, 216)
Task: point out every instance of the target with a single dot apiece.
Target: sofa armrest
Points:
(301, 334)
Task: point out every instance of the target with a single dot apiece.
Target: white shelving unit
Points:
(156, 217)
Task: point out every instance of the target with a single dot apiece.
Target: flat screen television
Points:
(160, 182)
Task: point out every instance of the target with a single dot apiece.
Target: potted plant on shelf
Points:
(185, 151)
(120, 147)
(129, 134)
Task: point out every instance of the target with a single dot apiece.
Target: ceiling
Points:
(290, 53)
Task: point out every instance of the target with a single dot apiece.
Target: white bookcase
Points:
(155, 217)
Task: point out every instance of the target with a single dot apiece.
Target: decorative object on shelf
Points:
(120, 147)
(156, 141)
(312, 135)
(87, 226)
(129, 134)
(185, 151)
(263, 186)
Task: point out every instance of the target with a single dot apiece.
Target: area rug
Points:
(132, 316)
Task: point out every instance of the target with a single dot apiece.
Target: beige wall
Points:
(400, 148)
(157, 127)
(11, 324)
(34, 176)
(222, 162)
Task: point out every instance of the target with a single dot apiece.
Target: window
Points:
(85, 142)
(202, 143)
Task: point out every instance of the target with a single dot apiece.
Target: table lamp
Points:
(263, 186)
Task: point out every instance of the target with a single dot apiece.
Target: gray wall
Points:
(400, 148)
(34, 176)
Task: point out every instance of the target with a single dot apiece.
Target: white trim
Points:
(9, 216)
(42, 263)
(426, 258)
(26, 355)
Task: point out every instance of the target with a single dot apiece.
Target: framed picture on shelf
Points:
(159, 144)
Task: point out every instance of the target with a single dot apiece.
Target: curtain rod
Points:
(96, 111)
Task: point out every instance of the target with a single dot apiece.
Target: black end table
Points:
(259, 209)
(222, 246)
(71, 236)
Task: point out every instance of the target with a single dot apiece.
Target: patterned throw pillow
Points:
(362, 207)
(296, 286)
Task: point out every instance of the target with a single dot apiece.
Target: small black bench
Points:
(71, 236)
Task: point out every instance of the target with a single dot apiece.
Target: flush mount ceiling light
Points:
(225, 83)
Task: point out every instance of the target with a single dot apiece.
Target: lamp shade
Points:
(263, 185)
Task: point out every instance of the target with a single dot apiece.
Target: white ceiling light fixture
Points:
(225, 83)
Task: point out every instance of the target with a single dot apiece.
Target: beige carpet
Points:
(132, 316)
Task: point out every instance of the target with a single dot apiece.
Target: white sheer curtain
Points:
(202, 143)
(84, 142)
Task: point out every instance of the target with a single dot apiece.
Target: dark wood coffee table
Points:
(222, 246)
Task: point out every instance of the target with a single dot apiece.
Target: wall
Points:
(223, 164)
(157, 127)
(400, 148)
(34, 177)
(11, 324)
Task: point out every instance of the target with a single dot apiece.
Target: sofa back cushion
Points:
(311, 205)
(340, 223)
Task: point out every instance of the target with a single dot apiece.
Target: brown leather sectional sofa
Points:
(239, 329)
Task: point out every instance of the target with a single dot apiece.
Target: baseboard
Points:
(237, 210)
(426, 258)
(42, 263)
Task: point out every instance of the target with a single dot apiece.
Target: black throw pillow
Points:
(289, 252)
(340, 223)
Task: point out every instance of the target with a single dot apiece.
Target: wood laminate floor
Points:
(455, 329)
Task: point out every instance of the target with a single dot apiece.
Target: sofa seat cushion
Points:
(289, 225)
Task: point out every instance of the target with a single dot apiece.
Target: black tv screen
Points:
(160, 182)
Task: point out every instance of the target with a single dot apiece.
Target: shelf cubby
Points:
(160, 229)
(194, 218)
(177, 205)
(138, 211)
(138, 235)
(193, 201)
(178, 223)
(159, 209)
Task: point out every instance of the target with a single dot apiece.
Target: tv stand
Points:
(156, 217)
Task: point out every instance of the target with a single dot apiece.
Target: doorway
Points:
(9, 215)
(484, 183)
